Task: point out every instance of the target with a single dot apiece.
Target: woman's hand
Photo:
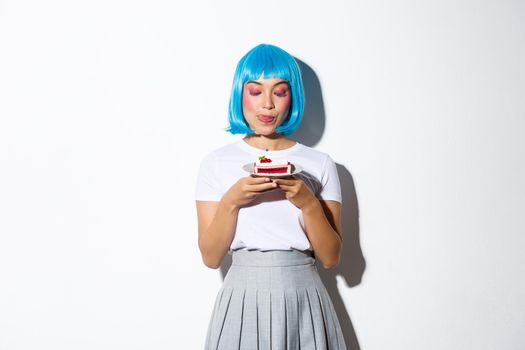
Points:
(246, 189)
(296, 192)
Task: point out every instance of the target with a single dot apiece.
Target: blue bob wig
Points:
(275, 63)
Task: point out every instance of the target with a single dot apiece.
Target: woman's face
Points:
(265, 104)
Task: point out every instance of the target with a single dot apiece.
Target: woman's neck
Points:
(274, 142)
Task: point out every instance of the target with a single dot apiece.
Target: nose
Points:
(268, 102)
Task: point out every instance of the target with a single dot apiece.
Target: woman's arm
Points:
(322, 220)
(323, 228)
(217, 220)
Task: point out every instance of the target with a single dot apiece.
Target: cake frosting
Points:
(267, 166)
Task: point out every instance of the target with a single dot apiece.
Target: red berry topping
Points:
(263, 159)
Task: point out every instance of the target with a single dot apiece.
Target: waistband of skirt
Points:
(243, 257)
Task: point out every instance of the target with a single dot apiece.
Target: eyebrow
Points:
(256, 82)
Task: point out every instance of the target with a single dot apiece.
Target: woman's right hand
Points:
(246, 189)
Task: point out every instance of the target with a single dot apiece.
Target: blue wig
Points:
(275, 63)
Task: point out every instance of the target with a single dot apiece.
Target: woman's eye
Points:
(281, 93)
(254, 92)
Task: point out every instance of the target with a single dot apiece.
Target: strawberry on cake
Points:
(266, 166)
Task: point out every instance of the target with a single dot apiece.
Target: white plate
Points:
(249, 168)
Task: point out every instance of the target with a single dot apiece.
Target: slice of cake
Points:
(266, 166)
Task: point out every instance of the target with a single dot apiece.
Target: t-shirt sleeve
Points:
(207, 188)
(331, 187)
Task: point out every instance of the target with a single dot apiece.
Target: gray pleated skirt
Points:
(273, 300)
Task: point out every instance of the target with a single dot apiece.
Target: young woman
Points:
(275, 228)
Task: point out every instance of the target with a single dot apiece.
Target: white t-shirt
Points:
(270, 222)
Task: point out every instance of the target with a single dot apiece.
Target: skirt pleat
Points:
(292, 320)
(321, 340)
(264, 317)
(331, 323)
(278, 320)
(219, 316)
(231, 330)
(273, 300)
(306, 322)
(249, 321)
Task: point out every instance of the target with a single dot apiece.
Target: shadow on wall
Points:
(352, 265)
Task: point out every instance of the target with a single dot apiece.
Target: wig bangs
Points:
(268, 62)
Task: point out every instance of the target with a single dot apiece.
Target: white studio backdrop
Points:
(107, 107)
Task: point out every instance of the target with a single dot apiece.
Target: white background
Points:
(106, 108)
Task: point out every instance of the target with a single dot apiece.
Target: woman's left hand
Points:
(296, 191)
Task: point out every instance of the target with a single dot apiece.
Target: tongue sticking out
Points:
(266, 118)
